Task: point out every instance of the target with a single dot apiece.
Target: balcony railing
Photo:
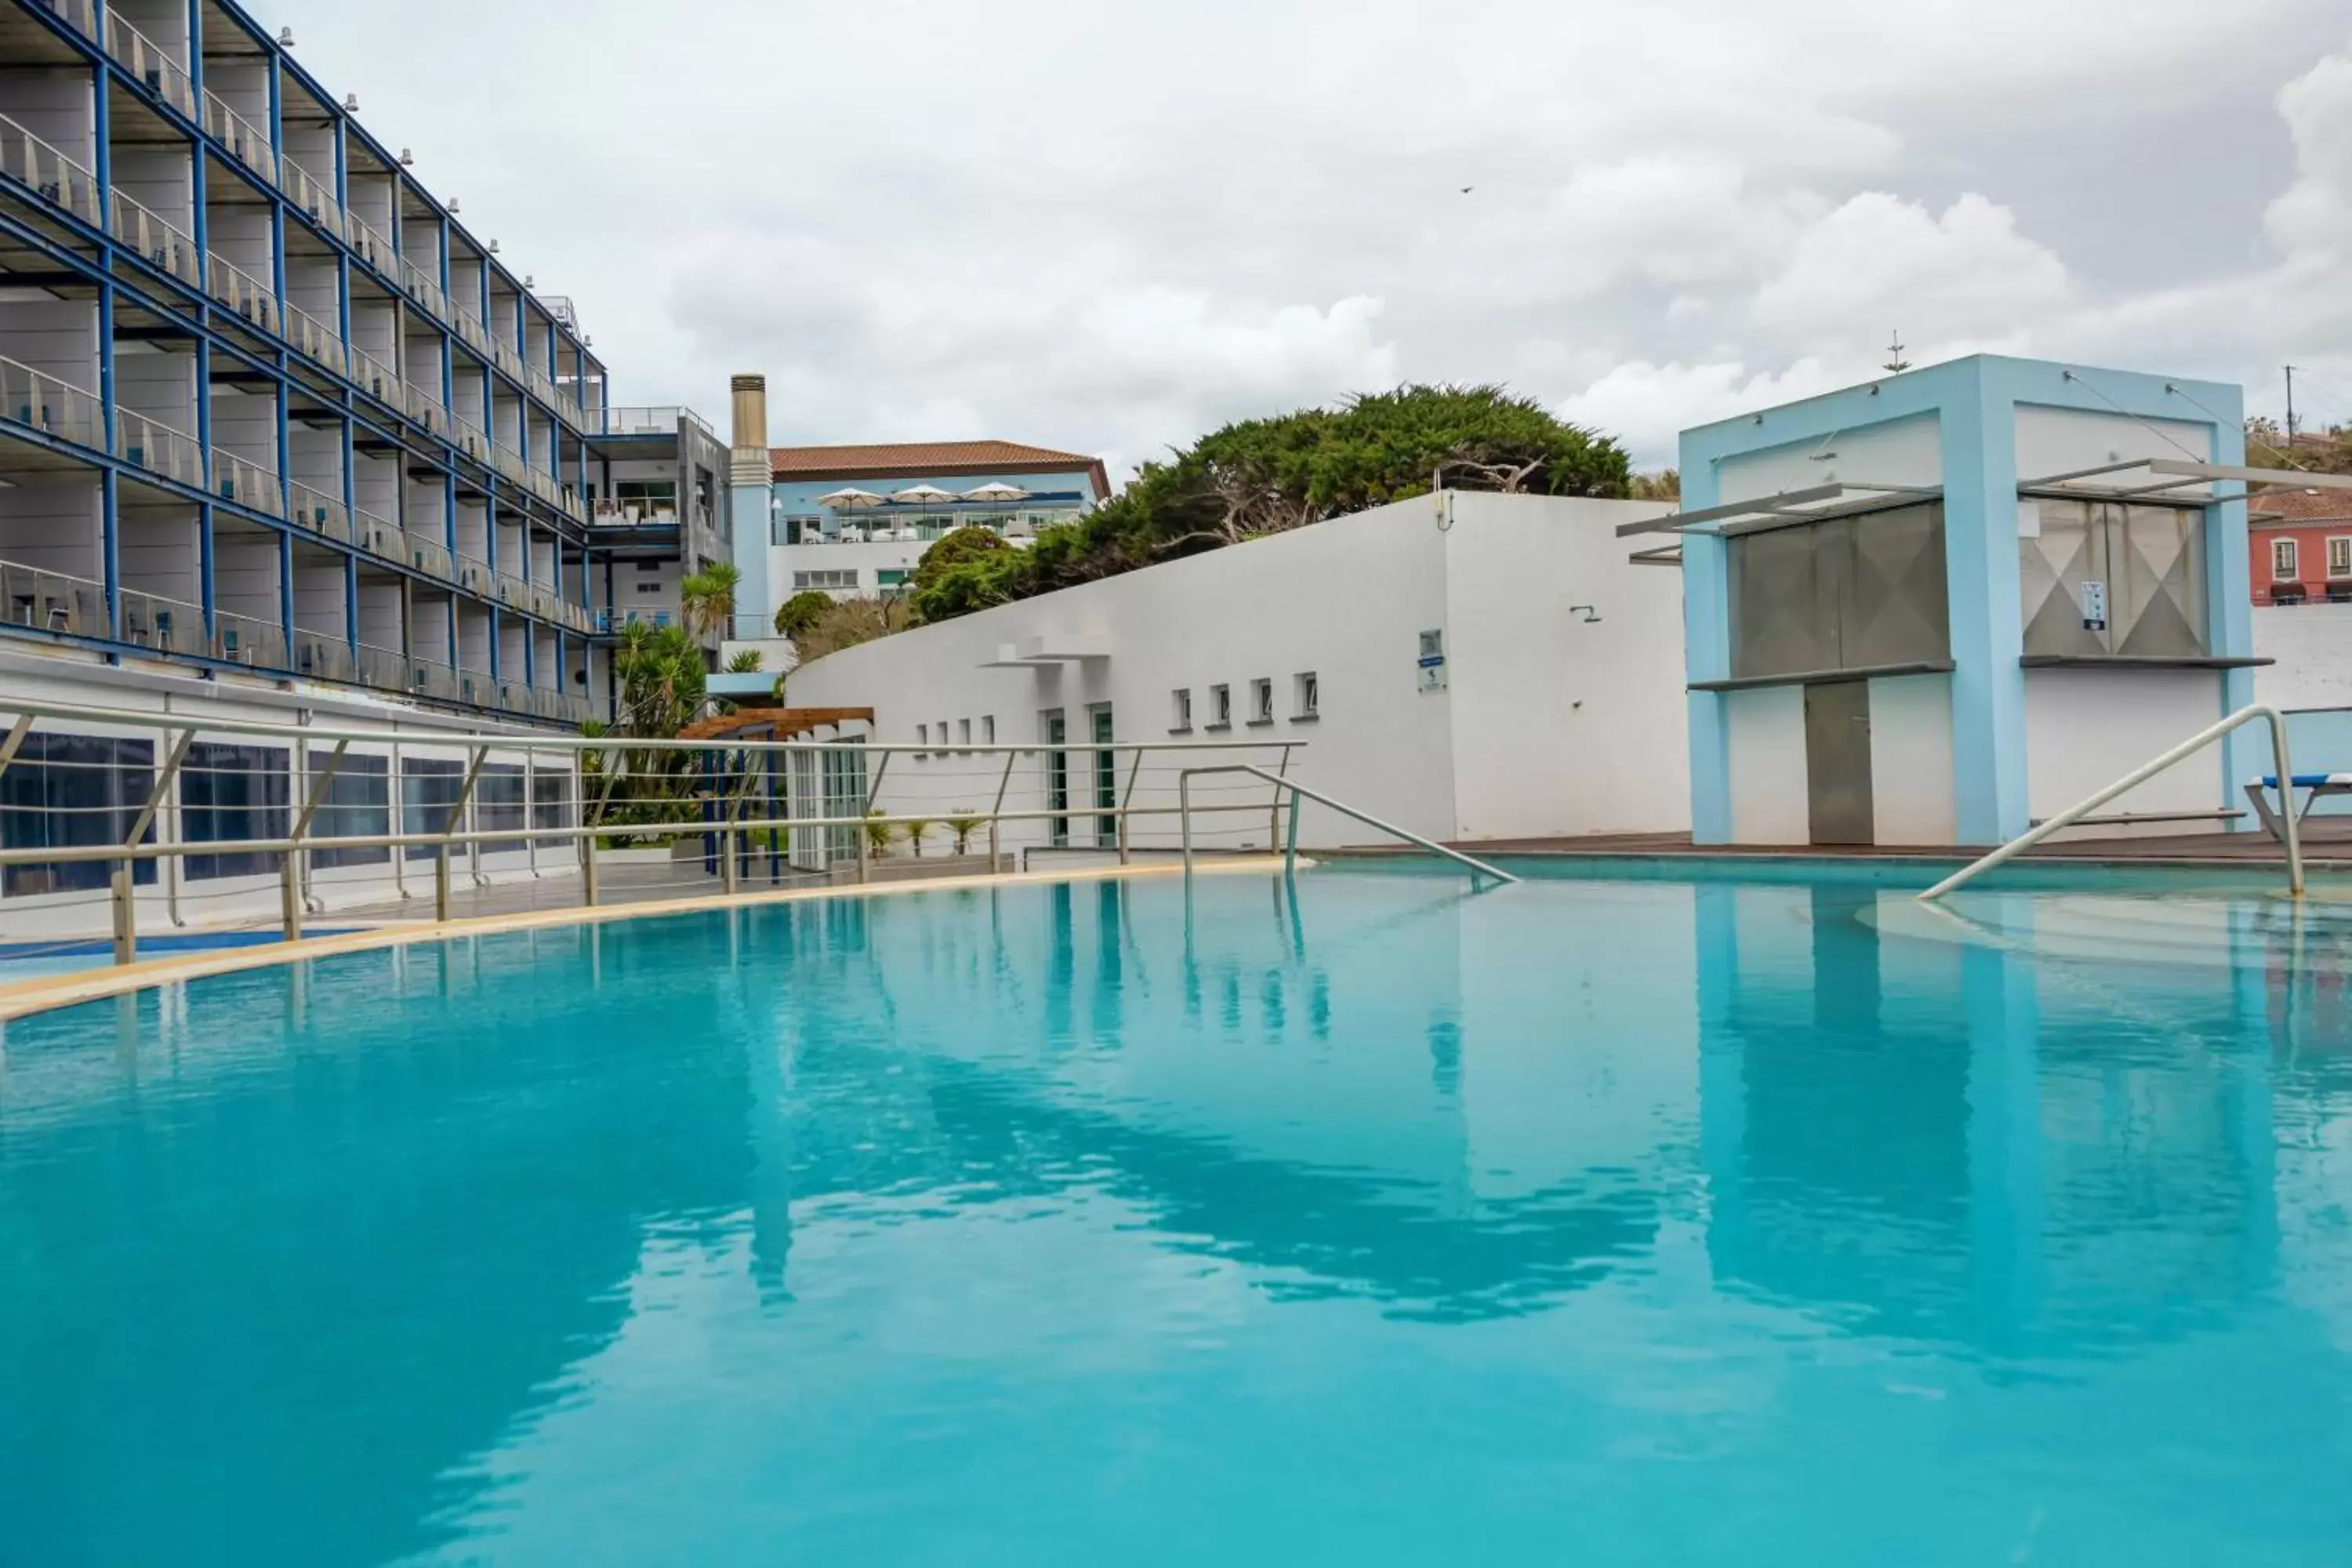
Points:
(429, 556)
(243, 639)
(324, 656)
(80, 14)
(160, 451)
(470, 330)
(310, 336)
(310, 194)
(248, 484)
(513, 592)
(382, 667)
(425, 408)
(371, 246)
(165, 76)
(162, 625)
(652, 421)
(471, 438)
(503, 356)
(30, 161)
(472, 575)
(37, 399)
(248, 144)
(158, 241)
(374, 377)
(53, 602)
(509, 464)
(423, 290)
(320, 514)
(241, 292)
(378, 536)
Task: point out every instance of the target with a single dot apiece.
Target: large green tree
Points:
(1260, 477)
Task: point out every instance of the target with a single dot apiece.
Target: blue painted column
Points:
(1707, 656)
(1978, 433)
(2229, 616)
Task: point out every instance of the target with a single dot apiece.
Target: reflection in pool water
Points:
(1600, 1222)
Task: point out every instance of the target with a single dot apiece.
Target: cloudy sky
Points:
(1109, 227)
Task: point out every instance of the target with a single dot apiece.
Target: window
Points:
(1106, 776)
(827, 581)
(1057, 774)
(355, 803)
(988, 728)
(550, 799)
(963, 732)
(922, 734)
(782, 530)
(74, 789)
(1221, 708)
(893, 579)
(428, 788)
(1851, 592)
(2339, 556)
(1262, 701)
(943, 737)
(232, 791)
(1305, 695)
(2283, 560)
(1180, 706)
(499, 805)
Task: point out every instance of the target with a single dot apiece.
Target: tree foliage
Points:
(846, 623)
(799, 612)
(706, 599)
(1261, 476)
(663, 683)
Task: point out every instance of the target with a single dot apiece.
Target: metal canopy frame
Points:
(1788, 508)
(2173, 474)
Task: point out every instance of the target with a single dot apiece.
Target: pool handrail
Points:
(1299, 792)
(2282, 771)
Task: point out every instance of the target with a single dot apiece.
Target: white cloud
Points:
(1106, 229)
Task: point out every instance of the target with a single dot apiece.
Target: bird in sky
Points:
(1468, 189)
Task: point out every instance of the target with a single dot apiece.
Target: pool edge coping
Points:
(26, 998)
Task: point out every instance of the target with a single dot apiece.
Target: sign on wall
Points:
(1432, 661)
(2094, 605)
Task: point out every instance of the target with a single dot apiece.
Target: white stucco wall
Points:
(2086, 727)
(1901, 452)
(2061, 440)
(1765, 729)
(1347, 600)
(2312, 645)
(1911, 781)
(1564, 722)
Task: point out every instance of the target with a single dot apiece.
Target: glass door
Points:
(1106, 777)
(1057, 775)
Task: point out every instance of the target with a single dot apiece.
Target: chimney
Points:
(748, 462)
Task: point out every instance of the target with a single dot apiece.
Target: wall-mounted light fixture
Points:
(1586, 611)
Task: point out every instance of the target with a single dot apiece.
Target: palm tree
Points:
(707, 599)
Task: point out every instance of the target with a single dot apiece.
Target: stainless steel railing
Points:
(2282, 771)
(598, 815)
(1297, 792)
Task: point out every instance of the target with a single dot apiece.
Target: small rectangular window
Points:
(828, 582)
(1304, 695)
(943, 737)
(1180, 705)
(2339, 556)
(1262, 701)
(2283, 554)
(922, 734)
(988, 728)
(1221, 708)
(963, 732)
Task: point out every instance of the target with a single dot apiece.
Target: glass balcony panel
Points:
(56, 178)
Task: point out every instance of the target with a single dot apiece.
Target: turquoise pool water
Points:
(1579, 1221)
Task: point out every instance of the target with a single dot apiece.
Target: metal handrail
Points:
(2282, 771)
(1300, 792)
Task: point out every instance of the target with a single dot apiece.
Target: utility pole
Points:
(2290, 411)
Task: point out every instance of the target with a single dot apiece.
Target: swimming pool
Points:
(1592, 1221)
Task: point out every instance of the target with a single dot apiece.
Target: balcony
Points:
(324, 656)
(372, 247)
(56, 178)
(42, 402)
(162, 625)
(80, 14)
(473, 575)
(53, 602)
(509, 464)
(246, 142)
(248, 484)
(241, 639)
(312, 339)
(158, 449)
(311, 194)
(374, 377)
(320, 514)
(653, 421)
(421, 289)
(469, 438)
(470, 330)
(241, 292)
(426, 409)
(164, 77)
(162, 245)
(384, 667)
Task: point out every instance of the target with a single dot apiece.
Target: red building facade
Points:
(2300, 547)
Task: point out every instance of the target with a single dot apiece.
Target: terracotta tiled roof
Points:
(922, 459)
(2287, 509)
(774, 723)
